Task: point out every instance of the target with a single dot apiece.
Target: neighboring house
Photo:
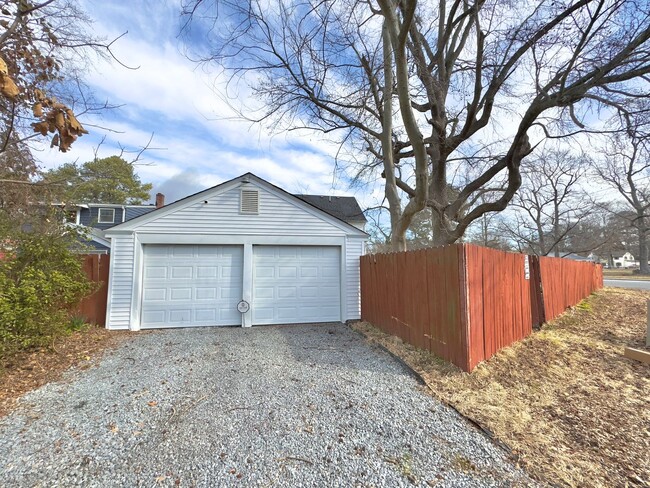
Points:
(98, 217)
(624, 260)
(292, 259)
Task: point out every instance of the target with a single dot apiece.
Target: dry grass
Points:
(565, 400)
(29, 370)
(623, 274)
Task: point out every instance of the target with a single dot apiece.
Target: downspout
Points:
(123, 213)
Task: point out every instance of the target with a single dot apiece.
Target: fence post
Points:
(647, 335)
(536, 292)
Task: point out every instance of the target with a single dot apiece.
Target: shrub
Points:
(41, 282)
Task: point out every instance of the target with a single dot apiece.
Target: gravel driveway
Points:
(310, 405)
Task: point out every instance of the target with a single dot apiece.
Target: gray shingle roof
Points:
(133, 212)
(344, 208)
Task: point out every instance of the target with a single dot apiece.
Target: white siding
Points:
(121, 282)
(353, 251)
(281, 222)
(221, 215)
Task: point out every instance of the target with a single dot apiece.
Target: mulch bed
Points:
(31, 369)
(565, 400)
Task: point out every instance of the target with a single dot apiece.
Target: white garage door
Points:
(296, 284)
(187, 285)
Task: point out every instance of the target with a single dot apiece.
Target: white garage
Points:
(241, 253)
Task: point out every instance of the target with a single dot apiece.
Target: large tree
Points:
(434, 94)
(105, 180)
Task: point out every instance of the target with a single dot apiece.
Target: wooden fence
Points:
(416, 296)
(498, 299)
(93, 308)
(565, 282)
(464, 302)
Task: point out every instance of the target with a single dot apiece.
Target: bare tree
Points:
(624, 165)
(550, 204)
(424, 89)
(45, 48)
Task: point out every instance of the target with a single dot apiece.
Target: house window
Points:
(250, 202)
(106, 216)
(71, 216)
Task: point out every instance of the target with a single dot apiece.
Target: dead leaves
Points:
(58, 119)
(7, 86)
(54, 117)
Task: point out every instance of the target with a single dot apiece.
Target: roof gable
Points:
(220, 198)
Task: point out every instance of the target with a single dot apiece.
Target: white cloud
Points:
(197, 143)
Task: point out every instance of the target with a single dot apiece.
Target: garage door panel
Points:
(294, 284)
(209, 272)
(204, 293)
(190, 285)
(154, 317)
(159, 272)
(207, 315)
(181, 272)
(287, 292)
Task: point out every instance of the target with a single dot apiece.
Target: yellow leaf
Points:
(8, 87)
(59, 120)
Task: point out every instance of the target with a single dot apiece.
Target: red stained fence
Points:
(565, 282)
(464, 302)
(499, 301)
(416, 296)
(93, 308)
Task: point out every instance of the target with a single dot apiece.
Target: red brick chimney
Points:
(160, 200)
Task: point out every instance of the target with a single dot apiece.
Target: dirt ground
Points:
(29, 370)
(565, 400)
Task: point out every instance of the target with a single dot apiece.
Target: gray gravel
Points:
(268, 406)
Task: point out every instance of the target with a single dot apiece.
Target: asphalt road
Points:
(636, 284)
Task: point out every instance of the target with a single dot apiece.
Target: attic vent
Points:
(250, 202)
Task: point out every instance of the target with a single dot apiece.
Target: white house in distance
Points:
(624, 260)
(244, 252)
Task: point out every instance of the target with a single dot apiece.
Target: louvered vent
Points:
(250, 202)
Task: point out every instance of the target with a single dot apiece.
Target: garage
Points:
(242, 253)
(296, 284)
(187, 285)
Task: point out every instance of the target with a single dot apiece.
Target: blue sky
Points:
(198, 143)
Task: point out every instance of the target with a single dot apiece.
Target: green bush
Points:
(41, 283)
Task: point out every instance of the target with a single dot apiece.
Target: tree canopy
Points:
(425, 95)
(105, 180)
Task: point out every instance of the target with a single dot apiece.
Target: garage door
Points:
(296, 284)
(187, 285)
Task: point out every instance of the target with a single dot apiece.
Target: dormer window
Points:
(250, 202)
(106, 216)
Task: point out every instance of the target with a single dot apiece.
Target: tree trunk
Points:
(643, 246)
(398, 232)
(398, 243)
(440, 232)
